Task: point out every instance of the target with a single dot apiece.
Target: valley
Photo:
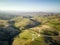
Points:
(30, 29)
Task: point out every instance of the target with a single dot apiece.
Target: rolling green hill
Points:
(35, 30)
(48, 30)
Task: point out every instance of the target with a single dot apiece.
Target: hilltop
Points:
(39, 29)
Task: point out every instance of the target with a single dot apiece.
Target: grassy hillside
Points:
(35, 30)
(45, 33)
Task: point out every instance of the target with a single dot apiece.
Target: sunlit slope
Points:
(3, 23)
(25, 23)
(50, 26)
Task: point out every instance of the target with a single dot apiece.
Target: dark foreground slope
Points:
(7, 34)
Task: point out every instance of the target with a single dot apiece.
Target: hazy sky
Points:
(30, 5)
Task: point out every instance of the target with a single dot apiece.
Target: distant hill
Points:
(7, 16)
(27, 13)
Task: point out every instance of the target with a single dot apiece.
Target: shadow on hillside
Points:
(35, 23)
(8, 34)
(52, 37)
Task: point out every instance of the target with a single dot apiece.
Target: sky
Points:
(30, 5)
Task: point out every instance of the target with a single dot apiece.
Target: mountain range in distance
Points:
(26, 13)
